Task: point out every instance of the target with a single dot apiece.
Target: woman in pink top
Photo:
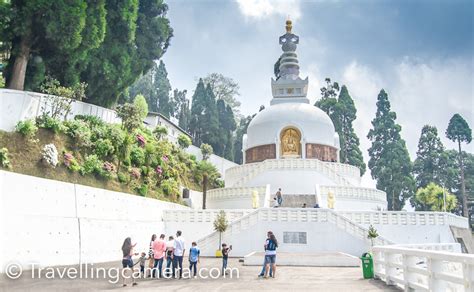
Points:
(159, 247)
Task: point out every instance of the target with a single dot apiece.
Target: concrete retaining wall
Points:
(57, 223)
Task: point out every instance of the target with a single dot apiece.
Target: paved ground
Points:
(287, 279)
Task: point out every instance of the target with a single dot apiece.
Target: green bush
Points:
(142, 105)
(49, 123)
(184, 141)
(142, 190)
(103, 148)
(27, 128)
(123, 178)
(137, 156)
(80, 132)
(170, 187)
(92, 165)
(4, 161)
(91, 120)
(71, 162)
(130, 115)
(115, 135)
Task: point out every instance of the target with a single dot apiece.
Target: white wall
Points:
(57, 223)
(16, 105)
(220, 163)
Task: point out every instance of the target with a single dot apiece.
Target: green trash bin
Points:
(367, 266)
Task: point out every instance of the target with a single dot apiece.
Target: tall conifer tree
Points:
(389, 162)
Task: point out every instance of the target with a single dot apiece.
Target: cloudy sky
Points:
(420, 52)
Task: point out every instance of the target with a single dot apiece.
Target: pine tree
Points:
(343, 113)
(389, 162)
(144, 86)
(239, 133)
(197, 110)
(458, 131)
(429, 158)
(162, 87)
(210, 120)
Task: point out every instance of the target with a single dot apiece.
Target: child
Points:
(225, 255)
(142, 261)
(194, 258)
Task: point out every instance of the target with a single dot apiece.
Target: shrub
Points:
(142, 105)
(80, 131)
(108, 168)
(49, 123)
(92, 165)
(103, 148)
(135, 173)
(141, 140)
(61, 98)
(170, 187)
(4, 161)
(160, 132)
(27, 128)
(122, 177)
(116, 136)
(130, 115)
(71, 162)
(184, 141)
(142, 190)
(91, 120)
(50, 155)
(137, 156)
(206, 151)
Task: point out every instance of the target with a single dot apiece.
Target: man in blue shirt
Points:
(194, 257)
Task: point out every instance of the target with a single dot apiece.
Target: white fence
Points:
(405, 218)
(18, 105)
(414, 269)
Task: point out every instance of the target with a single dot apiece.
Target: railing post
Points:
(390, 271)
(435, 266)
(408, 262)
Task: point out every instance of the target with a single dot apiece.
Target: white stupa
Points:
(293, 145)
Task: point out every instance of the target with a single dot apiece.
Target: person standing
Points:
(178, 254)
(151, 261)
(194, 253)
(169, 255)
(271, 245)
(225, 256)
(159, 247)
(127, 263)
(279, 197)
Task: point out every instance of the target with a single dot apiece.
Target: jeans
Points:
(191, 266)
(158, 263)
(178, 261)
(280, 200)
(169, 265)
(262, 273)
(224, 265)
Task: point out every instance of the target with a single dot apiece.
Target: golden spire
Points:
(289, 25)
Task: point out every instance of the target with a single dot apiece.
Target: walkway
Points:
(288, 279)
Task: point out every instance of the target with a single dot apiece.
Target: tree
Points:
(239, 133)
(206, 151)
(389, 162)
(142, 106)
(220, 225)
(160, 132)
(130, 115)
(432, 197)
(163, 87)
(458, 131)
(226, 129)
(197, 125)
(180, 105)
(224, 88)
(206, 172)
(343, 113)
(48, 30)
(144, 86)
(138, 33)
(372, 234)
(429, 158)
(184, 141)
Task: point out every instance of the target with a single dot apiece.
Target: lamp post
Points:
(444, 199)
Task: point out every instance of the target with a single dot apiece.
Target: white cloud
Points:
(260, 9)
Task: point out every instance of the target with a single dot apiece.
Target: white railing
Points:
(292, 215)
(343, 169)
(422, 270)
(356, 193)
(239, 175)
(192, 216)
(448, 247)
(405, 218)
(224, 193)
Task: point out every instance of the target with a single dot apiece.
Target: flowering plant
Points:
(108, 166)
(135, 173)
(141, 140)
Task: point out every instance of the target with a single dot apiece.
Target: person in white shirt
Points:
(178, 254)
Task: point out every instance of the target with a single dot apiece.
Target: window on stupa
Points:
(290, 90)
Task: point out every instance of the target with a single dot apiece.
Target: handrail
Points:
(426, 270)
(250, 170)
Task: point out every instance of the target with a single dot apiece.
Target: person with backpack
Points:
(271, 244)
